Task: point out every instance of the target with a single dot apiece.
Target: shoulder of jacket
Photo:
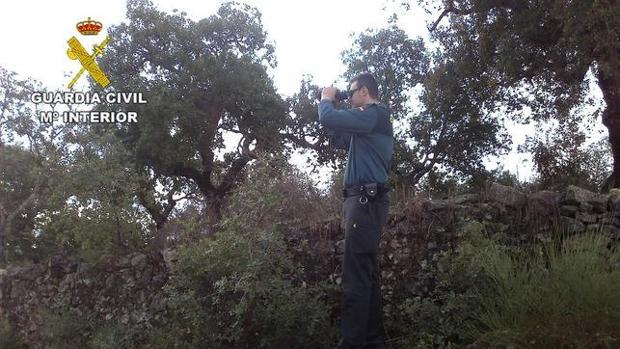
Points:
(379, 107)
(374, 107)
(368, 106)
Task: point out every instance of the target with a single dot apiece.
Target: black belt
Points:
(370, 191)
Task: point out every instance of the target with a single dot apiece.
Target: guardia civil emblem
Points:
(77, 52)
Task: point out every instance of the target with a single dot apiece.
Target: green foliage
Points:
(558, 294)
(564, 296)
(200, 79)
(242, 288)
(545, 46)
(21, 181)
(65, 328)
(238, 291)
(439, 184)
(64, 191)
(94, 232)
(528, 60)
(113, 336)
(275, 194)
(27, 189)
(537, 57)
(562, 158)
(17, 114)
(445, 317)
(102, 215)
(33, 158)
(9, 337)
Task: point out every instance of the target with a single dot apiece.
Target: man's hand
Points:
(329, 93)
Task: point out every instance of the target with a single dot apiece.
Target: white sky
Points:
(309, 37)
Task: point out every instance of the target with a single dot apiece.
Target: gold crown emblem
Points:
(89, 27)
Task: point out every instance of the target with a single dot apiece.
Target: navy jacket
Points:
(367, 134)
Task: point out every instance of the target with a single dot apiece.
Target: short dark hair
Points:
(365, 79)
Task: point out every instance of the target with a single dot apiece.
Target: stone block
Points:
(575, 195)
(569, 210)
(506, 195)
(586, 217)
(571, 225)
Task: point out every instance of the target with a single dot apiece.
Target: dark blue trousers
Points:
(362, 311)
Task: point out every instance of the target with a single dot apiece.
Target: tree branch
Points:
(485, 5)
(205, 140)
(190, 195)
(237, 166)
(443, 14)
(300, 141)
(201, 179)
(22, 206)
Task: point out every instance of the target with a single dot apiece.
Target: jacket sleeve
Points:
(339, 140)
(348, 120)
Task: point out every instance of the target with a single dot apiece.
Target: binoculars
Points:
(340, 95)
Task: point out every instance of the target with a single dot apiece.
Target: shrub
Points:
(9, 338)
(64, 328)
(113, 336)
(564, 295)
(561, 293)
(443, 319)
(242, 288)
(277, 194)
(239, 291)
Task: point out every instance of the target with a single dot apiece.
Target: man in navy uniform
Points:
(366, 132)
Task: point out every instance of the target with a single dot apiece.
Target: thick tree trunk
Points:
(6, 219)
(214, 211)
(2, 247)
(159, 243)
(119, 236)
(610, 86)
(159, 216)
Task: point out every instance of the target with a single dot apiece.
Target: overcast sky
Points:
(308, 35)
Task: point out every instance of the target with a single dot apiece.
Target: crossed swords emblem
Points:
(77, 51)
